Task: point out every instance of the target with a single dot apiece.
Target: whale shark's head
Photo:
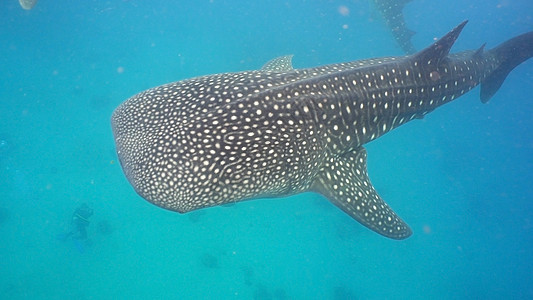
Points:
(211, 140)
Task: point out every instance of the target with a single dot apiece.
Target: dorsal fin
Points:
(479, 52)
(279, 64)
(440, 49)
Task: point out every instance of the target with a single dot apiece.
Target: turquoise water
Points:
(461, 177)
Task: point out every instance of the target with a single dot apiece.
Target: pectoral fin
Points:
(344, 181)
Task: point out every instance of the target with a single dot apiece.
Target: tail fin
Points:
(509, 55)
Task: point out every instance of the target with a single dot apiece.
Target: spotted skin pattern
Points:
(392, 12)
(280, 131)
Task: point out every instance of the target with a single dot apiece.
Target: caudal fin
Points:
(509, 55)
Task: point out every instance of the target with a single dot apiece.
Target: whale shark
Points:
(392, 12)
(280, 131)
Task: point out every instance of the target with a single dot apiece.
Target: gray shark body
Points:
(279, 131)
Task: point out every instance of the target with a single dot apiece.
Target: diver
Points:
(79, 223)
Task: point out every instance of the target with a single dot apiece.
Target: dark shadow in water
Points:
(104, 227)
(343, 293)
(209, 261)
(262, 293)
(248, 273)
(9, 291)
(100, 103)
(4, 215)
(349, 230)
(280, 294)
(194, 216)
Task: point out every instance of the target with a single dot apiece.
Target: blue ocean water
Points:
(461, 177)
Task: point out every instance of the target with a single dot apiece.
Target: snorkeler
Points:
(79, 222)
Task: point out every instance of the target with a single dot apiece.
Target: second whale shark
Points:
(280, 131)
(392, 12)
